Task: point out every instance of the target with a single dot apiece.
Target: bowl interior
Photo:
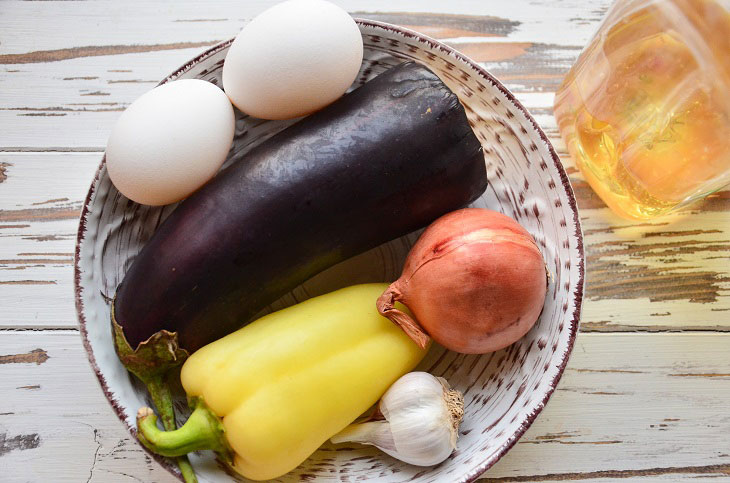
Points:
(503, 391)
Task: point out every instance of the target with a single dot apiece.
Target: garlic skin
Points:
(421, 421)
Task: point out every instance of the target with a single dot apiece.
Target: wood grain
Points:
(644, 395)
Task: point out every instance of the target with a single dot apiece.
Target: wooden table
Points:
(645, 394)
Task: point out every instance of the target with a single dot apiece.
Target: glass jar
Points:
(645, 110)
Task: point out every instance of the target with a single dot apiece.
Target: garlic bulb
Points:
(417, 421)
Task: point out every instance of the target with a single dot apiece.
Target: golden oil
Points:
(645, 111)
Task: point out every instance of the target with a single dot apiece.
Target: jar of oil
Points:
(645, 111)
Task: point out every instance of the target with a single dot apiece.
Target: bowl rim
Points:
(578, 293)
(580, 285)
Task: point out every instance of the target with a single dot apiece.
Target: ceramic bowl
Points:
(503, 391)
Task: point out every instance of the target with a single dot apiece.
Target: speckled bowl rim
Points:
(433, 43)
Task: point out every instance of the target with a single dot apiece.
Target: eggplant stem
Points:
(151, 362)
(186, 469)
(162, 398)
(386, 307)
(202, 431)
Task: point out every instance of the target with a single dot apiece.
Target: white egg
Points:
(293, 59)
(170, 141)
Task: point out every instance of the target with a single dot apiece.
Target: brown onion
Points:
(475, 281)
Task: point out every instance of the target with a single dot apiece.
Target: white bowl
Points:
(503, 391)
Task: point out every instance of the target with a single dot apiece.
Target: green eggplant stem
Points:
(202, 431)
(186, 469)
(162, 398)
(151, 362)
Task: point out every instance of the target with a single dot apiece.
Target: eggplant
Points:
(382, 161)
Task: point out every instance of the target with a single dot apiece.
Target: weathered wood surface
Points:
(631, 405)
(628, 405)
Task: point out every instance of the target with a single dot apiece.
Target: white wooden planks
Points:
(117, 51)
(55, 423)
(633, 402)
(627, 403)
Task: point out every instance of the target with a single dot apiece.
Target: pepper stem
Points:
(203, 430)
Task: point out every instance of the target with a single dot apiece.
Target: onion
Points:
(475, 281)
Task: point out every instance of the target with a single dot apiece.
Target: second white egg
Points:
(293, 59)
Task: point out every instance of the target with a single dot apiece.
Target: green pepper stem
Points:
(203, 430)
(161, 396)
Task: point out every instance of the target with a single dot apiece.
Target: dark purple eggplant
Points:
(382, 161)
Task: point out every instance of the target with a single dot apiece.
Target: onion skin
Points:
(475, 281)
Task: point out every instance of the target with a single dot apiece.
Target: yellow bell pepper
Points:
(286, 383)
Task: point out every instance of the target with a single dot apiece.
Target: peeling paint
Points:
(18, 443)
(201, 20)
(58, 109)
(23, 261)
(40, 56)
(26, 282)
(564, 434)
(132, 81)
(55, 200)
(96, 93)
(446, 25)
(616, 371)
(613, 229)
(529, 441)
(40, 214)
(617, 271)
(42, 238)
(665, 234)
(4, 171)
(719, 201)
(585, 196)
(608, 327)
(51, 254)
(37, 356)
(720, 470)
(706, 374)
(43, 114)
